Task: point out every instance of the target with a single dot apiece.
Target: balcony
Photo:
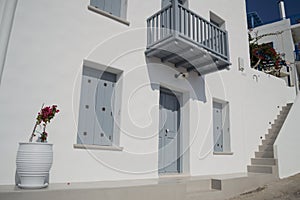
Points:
(179, 36)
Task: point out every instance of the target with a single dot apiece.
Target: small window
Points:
(115, 9)
(111, 6)
(221, 126)
(216, 20)
(96, 114)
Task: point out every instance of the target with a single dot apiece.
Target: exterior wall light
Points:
(182, 75)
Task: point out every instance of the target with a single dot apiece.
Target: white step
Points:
(272, 132)
(260, 169)
(284, 112)
(276, 127)
(264, 154)
(271, 136)
(281, 117)
(289, 105)
(285, 108)
(279, 121)
(263, 161)
(268, 142)
(265, 147)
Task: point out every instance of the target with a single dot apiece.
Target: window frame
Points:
(217, 20)
(114, 146)
(226, 122)
(121, 18)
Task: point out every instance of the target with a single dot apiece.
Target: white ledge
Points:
(223, 153)
(96, 147)
(106, 14)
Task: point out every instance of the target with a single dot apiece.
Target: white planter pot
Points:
(34, 161)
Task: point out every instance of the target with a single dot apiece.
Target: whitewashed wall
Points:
(50, 40)
(287, 143)
(283, 43)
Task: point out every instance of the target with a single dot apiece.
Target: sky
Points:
(268, 10)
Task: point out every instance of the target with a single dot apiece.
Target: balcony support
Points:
(186, 62)
(209, 63)
(174, 55)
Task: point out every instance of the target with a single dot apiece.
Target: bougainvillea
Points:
(264, 57)
(44, 116)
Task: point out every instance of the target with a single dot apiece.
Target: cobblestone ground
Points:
(284, 189)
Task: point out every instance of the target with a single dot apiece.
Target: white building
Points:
(131, 112)
(283, 36)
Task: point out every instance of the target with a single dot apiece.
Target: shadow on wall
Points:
(165, 75)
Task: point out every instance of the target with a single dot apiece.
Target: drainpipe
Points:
(282, 9)
(6, 22)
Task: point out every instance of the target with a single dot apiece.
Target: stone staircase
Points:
(264, 161)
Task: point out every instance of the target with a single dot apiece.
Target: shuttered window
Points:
(221, 126)
(96, 121)
(111, 6)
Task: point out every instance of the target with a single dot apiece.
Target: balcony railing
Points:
(176, 20)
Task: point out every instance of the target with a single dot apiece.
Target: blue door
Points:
(169, 137)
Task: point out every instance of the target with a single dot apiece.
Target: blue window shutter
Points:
(111, 6)
(108, 6)
(86, 112)
(96, 123)
(98, 3)
(116, 7)
(104, 108)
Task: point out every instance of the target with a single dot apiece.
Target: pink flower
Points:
(45, 115)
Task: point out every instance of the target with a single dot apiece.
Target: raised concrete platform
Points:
(167, 188)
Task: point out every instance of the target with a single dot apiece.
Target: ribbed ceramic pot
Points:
(34, 161)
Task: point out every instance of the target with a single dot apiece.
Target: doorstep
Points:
(171, 188)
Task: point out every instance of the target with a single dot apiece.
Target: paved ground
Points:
(285, 189)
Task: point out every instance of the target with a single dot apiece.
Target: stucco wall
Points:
(283, 43)
(287, 143)
(50, 40)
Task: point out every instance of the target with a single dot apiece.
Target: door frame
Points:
(179, 97)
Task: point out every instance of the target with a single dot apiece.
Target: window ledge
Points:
(174, 175)
(106, 14)
(96, 147)
(223, 153)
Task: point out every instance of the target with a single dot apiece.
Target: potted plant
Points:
(34, 158)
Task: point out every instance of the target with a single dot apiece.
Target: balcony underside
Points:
(187, 54)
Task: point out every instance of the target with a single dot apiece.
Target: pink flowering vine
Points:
(44, 116)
